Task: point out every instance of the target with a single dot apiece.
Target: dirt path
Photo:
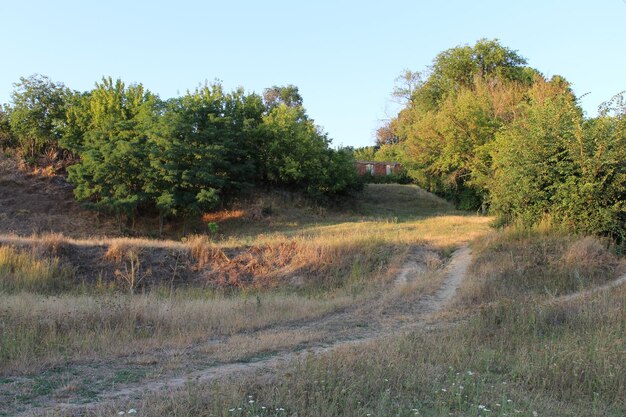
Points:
(586, 293)
(418, 291)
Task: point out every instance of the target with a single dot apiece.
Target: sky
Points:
(343, 55)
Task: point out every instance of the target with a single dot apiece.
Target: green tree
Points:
(293, 148)
(595, 201)
(288, 95)
(7, 138)
(444, 134)
(113, 169)
(532, 158)
(38, 114)
(365, 153)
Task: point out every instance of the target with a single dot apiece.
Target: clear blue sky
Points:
(343, 55)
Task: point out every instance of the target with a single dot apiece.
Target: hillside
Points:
(32, 203)
(390, 304)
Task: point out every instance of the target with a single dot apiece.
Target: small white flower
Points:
(251, 402)
(535, 414)
(131, 411)
(470, 373)
(444, 390)
(121, 413)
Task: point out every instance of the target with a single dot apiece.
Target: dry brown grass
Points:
(534, 355)
(20, 270)
(45, 330)
(521, 262)
(224, 215)
(118, 250)
(49, 244)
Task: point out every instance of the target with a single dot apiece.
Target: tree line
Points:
(483, 129)
(135, 153)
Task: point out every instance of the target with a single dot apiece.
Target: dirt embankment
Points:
(34, 204)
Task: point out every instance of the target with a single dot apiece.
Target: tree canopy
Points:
(138, 153)
(486, 131)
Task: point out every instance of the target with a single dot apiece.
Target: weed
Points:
(21, 271)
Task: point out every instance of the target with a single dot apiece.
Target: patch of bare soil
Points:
(31, 203)
(421, 288)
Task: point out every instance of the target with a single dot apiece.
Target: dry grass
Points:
(520, 262)
(49, 244)
(118, 250)
(294, 263)
(512, 360)
(224, 215)
(20, 270)
(524, 354)
(38, 331)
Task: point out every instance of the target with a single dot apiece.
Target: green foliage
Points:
(366, 153)
(190, 154)
(293, 149)
(37, 116)
(201, 149)
(287, 95)
(551, 163)
(443, 134)
(113, 171)
(532, 159)
(485, 131)
(7, 138)
(458, 68)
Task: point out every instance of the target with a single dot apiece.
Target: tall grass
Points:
(518, 262)
(563, 359)
(525, 352)
(36, 330)
(22, 271)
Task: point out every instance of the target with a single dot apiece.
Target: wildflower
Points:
(251, 402)
(470, 373)
(444, 390)
(535, 414)
(121, 413)
(131, 411)
(231, 410)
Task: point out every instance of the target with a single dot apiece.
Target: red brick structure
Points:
(378, 169)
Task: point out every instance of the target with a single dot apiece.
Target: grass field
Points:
(82, 317)
(525, 354)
